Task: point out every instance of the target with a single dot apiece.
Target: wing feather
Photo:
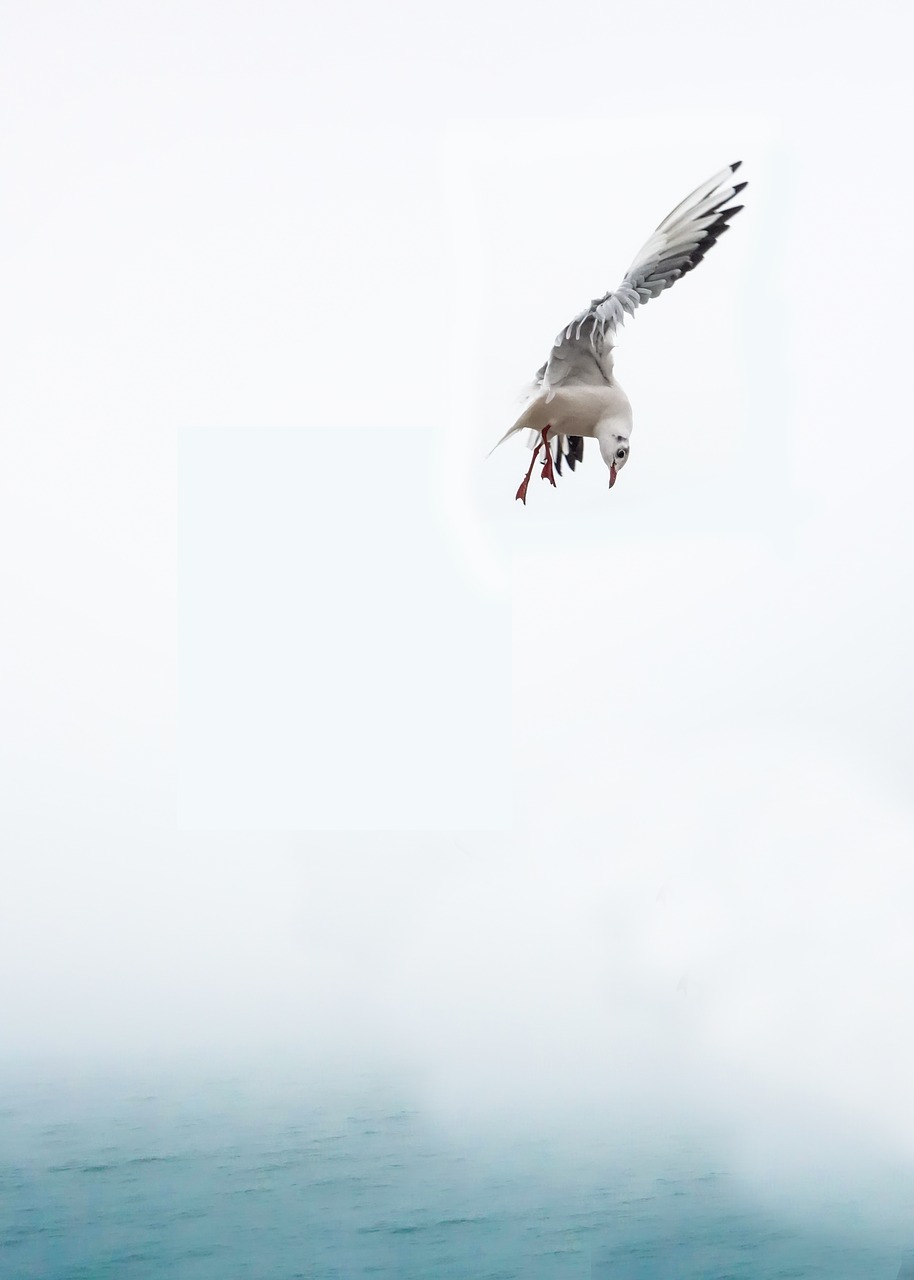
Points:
(582, 352)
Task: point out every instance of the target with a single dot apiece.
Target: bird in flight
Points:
(575, 394)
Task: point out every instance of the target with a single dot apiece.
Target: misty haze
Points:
(398, 879)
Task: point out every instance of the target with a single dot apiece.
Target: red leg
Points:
(522, 491)
(548, 469)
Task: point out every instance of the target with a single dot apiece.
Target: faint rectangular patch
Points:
(340, 665)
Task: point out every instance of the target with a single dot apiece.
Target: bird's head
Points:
(614, 448)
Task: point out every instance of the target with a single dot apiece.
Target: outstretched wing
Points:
(582, 352)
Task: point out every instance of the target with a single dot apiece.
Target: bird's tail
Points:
(518, 426)
(524, 420)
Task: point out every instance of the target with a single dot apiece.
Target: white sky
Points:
(256, 217)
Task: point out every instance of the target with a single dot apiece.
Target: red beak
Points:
(612, 475)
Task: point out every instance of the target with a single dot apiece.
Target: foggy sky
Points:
(706, 895)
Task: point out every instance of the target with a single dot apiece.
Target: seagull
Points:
(575, 394)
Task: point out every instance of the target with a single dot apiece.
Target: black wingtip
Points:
(734, 167)
(740, 186)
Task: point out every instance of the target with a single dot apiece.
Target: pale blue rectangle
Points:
(337, 668)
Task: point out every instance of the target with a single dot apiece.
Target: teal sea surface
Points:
(220, 1180)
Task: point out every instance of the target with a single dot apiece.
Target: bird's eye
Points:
(620, 454)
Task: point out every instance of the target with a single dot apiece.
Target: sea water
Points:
(215, 1178)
